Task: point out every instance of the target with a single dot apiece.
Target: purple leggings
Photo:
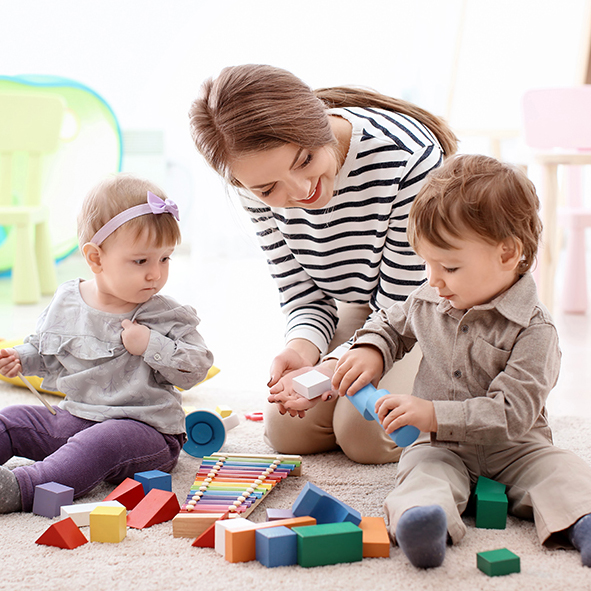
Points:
(80, 453)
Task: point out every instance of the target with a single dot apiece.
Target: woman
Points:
(328, 178)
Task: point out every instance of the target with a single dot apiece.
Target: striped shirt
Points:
(355, 249)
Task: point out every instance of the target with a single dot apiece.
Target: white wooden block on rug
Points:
(81, 513)
(311, 384)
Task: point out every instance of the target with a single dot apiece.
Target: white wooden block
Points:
(223, 525)
(80, 513)
(311, 384)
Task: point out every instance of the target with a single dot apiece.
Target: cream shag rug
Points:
(152, 559)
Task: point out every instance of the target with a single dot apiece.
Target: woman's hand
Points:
(289, 401)
(135, 337)
(395, 411)
(298, 354)
(10, 363)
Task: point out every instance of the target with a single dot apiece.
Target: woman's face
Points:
(289, 176)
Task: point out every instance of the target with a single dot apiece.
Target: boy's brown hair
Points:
(478, 194)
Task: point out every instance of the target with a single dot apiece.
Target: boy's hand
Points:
(357, 368)
(10, 363)
(395, 411)
(135, 337)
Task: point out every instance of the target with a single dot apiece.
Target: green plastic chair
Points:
(30, 128)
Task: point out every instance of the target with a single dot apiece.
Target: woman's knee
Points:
(362, 441)
(291, 435)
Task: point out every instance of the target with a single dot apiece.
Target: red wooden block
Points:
(63, 534)
(157, 506)
(129, 493)
(207, 538)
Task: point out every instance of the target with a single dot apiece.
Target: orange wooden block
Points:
(376, 541)
(157, 506)
(129, 493)
(241, 545)
(63, 534)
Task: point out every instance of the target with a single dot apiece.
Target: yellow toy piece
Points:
(108, 524)
(36, 381)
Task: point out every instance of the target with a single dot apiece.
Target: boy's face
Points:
(472, 273)
(132, 270)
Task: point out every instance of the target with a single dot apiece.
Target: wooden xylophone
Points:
(231, 483)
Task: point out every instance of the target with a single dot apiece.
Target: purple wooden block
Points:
(50, 497)
(275, 514)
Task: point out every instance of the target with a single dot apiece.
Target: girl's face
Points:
(289, 176)
(132, 269)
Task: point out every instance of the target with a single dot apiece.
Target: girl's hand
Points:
(135, 337)
(357, 368)
(395, 411)
(10, 363)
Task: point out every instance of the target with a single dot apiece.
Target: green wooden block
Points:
(491, 510)
(498, 562)
(329, 543)
(486, 485)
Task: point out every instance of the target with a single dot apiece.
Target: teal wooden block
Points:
(498, 562)
(491, 510)
(329, 543)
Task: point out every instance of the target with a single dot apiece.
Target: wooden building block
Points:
(206, 539)
(129, 493)
(192, 525)
(223, 410)
(222, 526)
(50, 497)
(311, 384)
(498, 562)
(80, 513)
(107, 524)
(376, 541)
(154, 479)
(63, 534)
(329, 543)
(275, 514)
(486, 485)
(276, 546)
(157, 506)
(241, 544)
(315, 502)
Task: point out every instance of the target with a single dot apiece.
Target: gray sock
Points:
(421, 533)
(10, 492)
(580, 537)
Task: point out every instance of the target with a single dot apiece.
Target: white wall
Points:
(147, 58)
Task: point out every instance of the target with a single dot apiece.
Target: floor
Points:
(241, 323)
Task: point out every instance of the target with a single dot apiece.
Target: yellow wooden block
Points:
(223, 411)
(108, 524)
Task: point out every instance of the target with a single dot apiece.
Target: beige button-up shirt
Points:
(488, 370)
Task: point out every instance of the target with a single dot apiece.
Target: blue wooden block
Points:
(154, 479)
(276, 546)
(325, 508)
(50, 498)
(364, 401)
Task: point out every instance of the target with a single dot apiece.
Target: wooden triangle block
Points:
(157, 506)
(129, 493)
(207, 538)
(63, 534)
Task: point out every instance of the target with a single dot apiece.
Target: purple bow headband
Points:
(154, 205)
